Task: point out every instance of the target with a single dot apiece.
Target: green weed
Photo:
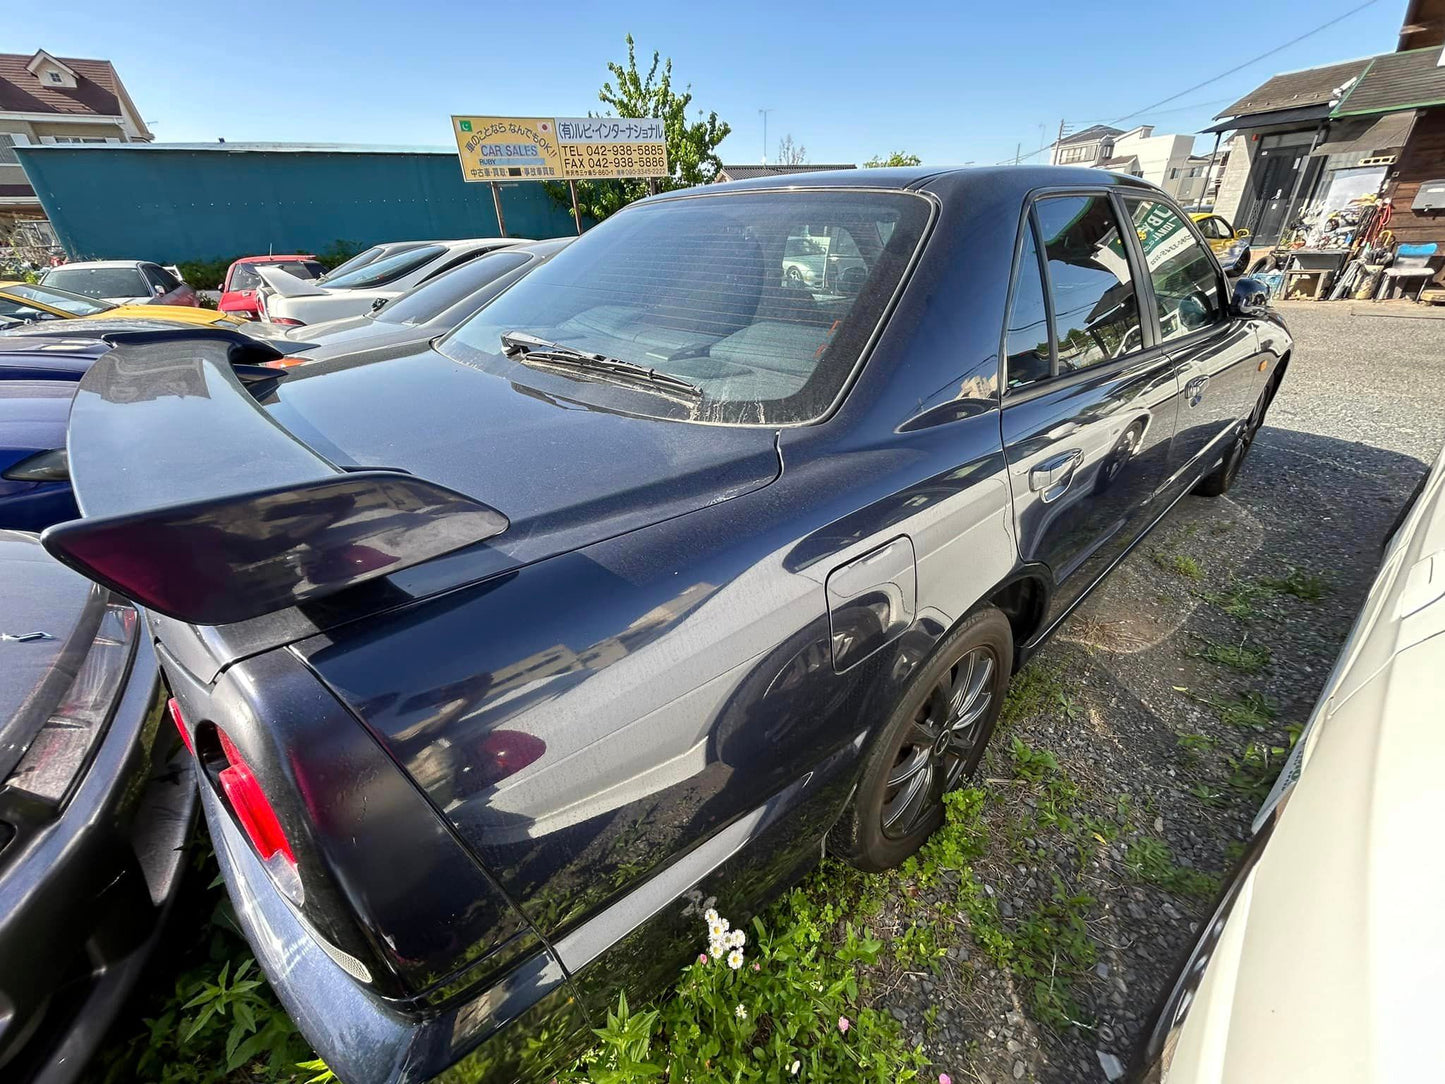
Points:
(1243, 657)
(1150, 859)
(1248, 711)
(1302, 585)
(1181, 563)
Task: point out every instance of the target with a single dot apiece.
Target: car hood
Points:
(180, 314)
(37, 594)
(563, 473)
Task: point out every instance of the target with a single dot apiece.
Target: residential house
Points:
(50, 99)
(743, 173)
(1160, 159)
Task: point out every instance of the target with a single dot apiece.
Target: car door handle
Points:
(1195, 389)
(1053, 475)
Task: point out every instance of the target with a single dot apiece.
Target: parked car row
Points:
(505, 633)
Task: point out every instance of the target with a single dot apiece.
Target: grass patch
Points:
(1033, 690)
(1150, 860)
(1248, 711)
(1244, 657)
(1195, 744)
(1179, 563)
(1302, 585)
(1253, 772)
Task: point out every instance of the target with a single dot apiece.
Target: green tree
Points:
(691, 145)
(897, 158)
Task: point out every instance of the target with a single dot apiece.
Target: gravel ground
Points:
(1268, 579)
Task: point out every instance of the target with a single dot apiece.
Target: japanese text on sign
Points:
(564, 148)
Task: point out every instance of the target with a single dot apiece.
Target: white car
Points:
(1321, 964)
(122, 282)
(388, 272)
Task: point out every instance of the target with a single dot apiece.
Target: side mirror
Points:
(1241, 233)
(1251, 297)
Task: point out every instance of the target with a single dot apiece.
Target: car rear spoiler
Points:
(285, 283)
(198, 505)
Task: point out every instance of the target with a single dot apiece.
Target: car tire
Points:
(932, 742)
(1217, 482)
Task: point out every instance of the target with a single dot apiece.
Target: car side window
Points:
(153, 278)
(1187, 288)
(1027, 350)
(1217, 228)
(1096, 308)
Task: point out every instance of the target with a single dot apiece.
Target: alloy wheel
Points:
(938, 745)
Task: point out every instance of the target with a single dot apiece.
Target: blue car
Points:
(49, 357)
(34, 479)
(509, 657)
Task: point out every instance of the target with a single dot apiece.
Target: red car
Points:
(238, 292)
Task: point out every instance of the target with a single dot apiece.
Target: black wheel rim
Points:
(939, 743)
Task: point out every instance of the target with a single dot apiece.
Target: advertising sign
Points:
(559, 149)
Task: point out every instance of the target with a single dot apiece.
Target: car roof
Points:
(98, 263)
(1022, 179)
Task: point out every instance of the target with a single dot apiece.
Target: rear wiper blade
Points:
(532, 348)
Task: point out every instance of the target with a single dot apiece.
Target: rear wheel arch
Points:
(1023, 598)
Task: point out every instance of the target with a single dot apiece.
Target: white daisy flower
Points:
(735, 959)
(737, 939)
(793, 1069)
(741, 1013)
(710, 916)
(717, 928)
(717, 947)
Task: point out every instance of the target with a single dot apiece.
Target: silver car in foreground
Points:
(1322, 962)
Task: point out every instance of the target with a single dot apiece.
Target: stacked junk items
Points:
(1350, 253)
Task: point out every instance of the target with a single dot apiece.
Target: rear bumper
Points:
(82, 900)
(362, 1038)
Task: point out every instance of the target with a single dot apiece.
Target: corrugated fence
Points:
(211, 201)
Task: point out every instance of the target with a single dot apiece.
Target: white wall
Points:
(1157, 154)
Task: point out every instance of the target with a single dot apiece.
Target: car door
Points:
(1217, 356)
(1088, 410)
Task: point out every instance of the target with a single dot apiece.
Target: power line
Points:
(1222, 75)
(1254, 60)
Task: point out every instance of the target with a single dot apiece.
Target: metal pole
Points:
(576, 213)
(1058, 145)
(1208, 170)
(497, 203)
(764, 113)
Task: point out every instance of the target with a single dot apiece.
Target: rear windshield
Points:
(245, 276)
(386, 269)
(99, 281)
(714, 289)
(433, 297)
(75, 304)
(361, 259)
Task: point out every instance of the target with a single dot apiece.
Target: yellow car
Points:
(1229, 244)
(24, 303)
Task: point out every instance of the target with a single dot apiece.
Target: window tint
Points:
(704, 288)
(1028, 326)
(386, 269)
(1186, 284)
(427, 301)
(58, 299)
(1096, 313)
(99, 281)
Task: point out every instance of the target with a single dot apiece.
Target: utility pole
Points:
(1055, 152)
(764, 114)
(1018, 153)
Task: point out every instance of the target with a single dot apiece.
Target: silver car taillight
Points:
(63, 744)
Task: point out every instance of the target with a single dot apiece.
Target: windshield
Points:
(74, 304)
(99, 281)
(362, 258)
(429, 300)
(702, 288)
(385, 270)
(245, 276)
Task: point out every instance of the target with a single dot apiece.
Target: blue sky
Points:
(951, 82)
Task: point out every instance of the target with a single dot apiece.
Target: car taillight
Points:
(61, 747)
(285, 363)
(256, 816)
(176, 717)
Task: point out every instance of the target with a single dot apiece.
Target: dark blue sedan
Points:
(34, 480)
(501, 655)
